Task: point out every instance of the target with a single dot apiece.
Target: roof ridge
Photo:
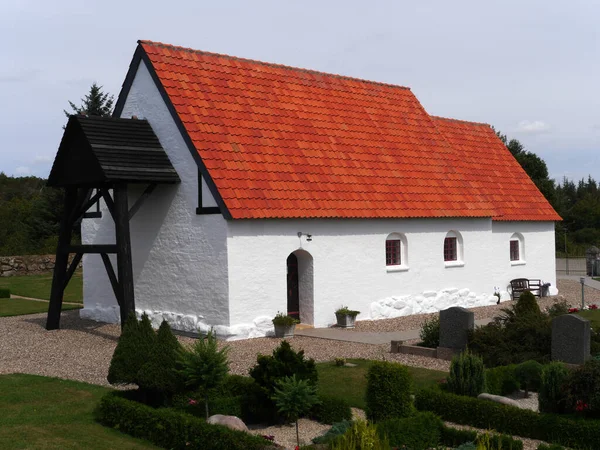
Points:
(450, 119)
(283, 66)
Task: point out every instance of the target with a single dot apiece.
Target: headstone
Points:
(570, 339)
(455, 324)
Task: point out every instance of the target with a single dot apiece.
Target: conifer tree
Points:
(95, 103)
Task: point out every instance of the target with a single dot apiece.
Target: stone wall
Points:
(26, 265)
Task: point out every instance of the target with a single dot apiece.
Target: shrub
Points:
(501, 380)
(4, 293)
(418, 432)
(337, 429)
(361, 435)
(558, 309)
(234, 385)
(527, 304)
(552, 393)
(466, 375)
(339, 362)
(284, 320)
(204, 366)
(430, 333)
(583, 389)
(331, 410)
(550, 447)
(453, 437)
(133, 350)
(345, 311)
(529, 374)
(158, 377)
(510, 420)
(168, 428)
(284, 362)
(388, 391)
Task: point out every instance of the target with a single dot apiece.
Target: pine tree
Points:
(95, 103)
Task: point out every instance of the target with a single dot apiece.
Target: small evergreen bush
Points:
(501, 380)
(527, 304)
(134, 349)
(558, 309)
(331, 410)
(337, 429)
(430, 333)
(529, 375)
(421, 431)
(550, 447)
(466, 375)
(388, 391)
(583, 390)
(453, 437)
(360, 436)
(4, 293)
(158, 376)
(552, 393)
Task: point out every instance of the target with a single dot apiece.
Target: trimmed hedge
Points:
(4, 293)
(388, 391)
(419, 432)
(331, 410)
(507, 419)
(502, 380)
(453, 437)
(171, 429)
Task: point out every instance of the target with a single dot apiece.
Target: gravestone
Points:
(570, 339)
(455, 324)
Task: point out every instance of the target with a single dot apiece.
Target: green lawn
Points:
(19, 307)
(350, 383)
(38, 286)
(593, 315)
(48, 413)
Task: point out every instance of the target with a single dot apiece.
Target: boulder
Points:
(233, 422)
(499, 399)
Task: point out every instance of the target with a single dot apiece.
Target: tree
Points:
(95, 103)
(294, 398)
(204, 366)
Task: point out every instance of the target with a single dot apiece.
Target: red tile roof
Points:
(494, 172)
(282, 142)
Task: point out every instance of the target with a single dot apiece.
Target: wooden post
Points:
(124, 264)
(62, 259)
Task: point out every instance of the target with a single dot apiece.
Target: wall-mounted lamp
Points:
(308, 236)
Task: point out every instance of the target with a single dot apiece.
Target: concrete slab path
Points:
(364, 337)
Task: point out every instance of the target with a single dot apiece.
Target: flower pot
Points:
(283, 331)
(345, 320)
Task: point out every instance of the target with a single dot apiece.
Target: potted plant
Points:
(284, 325)
(346, 317)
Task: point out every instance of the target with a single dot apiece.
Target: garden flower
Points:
(192, 402)
(573, 310)
(593, 306)
(581, 406)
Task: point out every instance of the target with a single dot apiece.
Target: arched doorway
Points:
(300, 286)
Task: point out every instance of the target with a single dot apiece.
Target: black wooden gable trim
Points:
(140, 55)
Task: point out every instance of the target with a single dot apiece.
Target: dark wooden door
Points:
(293, 296)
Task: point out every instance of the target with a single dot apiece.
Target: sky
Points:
(529, 68)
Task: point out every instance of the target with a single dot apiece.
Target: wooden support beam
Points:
(112, 277)
(91, 201)
(83, 196)
(124, 263)
(110, 204)
(93, 248)
(140, 201)
(72, 269)
(62, 259)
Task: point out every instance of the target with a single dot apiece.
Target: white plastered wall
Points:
(179, 258)
(349, 264)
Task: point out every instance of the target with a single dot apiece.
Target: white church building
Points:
(303, 191)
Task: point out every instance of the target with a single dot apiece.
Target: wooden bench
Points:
(520, 285)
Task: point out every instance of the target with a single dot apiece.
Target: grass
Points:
(593, 315)
(48, 413)
(350, 383)
(19, 307)
(38, 286)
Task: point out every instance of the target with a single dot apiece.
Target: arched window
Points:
(516, 249)
(396, 252)
(453, 249)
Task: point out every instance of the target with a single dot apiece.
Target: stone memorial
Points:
(570, 339)
(455, 324)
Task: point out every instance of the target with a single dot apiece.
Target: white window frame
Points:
(521, 240)
(460, 262)
(403, 266)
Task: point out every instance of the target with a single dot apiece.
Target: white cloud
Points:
(42, 159)
(535, 126)
(22, 170)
